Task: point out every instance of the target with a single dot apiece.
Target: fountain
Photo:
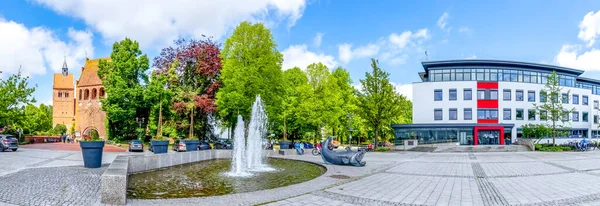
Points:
(248, 153)
(245, 172)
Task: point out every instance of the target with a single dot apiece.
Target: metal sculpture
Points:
(347, 157)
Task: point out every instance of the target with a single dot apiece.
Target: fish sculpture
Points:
(347, 157)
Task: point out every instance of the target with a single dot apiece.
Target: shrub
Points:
(538, 146)
(383, 149)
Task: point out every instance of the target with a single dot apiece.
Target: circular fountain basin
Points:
(209, 178)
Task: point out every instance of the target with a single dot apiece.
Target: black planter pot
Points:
(92, 153)
(191, 145)
(284, 145)
(160, 146)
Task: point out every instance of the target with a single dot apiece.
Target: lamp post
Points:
(139, 121)
(349, 116)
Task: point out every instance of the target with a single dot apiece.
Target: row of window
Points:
(507, 96)
(507, 115)
(86, 93)
(507, 75)
(61, 94)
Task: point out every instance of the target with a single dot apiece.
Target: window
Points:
(102, 92)
(543, 97)
(576, 116)
(584, 100)
(519, 95)
(437, 114)
(506, 114)
(59, 94)
(94, 93)
(468, 114)
(531, 96)
(493, 94)
(467, 94)
(565, 117)
(453, 114)
(480, 94)
(487, 114)
(543, 115)
(565, 98)
(506, 94)
(79, 94)
(595, 119)
(584, 117)
(519, 114)
(452, 94)
(595, 104)
(575, 99)
(531, 114)
(437, 95)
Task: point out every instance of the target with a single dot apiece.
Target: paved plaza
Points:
(56, 177)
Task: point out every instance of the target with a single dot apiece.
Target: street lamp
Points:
(350, 129)
(139, 121)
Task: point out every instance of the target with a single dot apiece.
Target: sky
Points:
(37, 35)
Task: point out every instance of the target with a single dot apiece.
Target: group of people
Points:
(67, 138)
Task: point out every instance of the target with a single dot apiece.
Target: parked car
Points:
(136, 145)
(204, 146)
(179, 146)
(223, 145)
(8, 142)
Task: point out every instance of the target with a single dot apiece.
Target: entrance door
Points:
(463, 138)
(488, 137)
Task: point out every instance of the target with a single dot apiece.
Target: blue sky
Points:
(38, 33)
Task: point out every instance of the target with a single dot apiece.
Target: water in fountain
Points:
(248, 155)
(257, 130)
(238, 162)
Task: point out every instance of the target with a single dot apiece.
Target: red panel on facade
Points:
(487, 121)
(487, 85)
(487, 104)
(476, 136)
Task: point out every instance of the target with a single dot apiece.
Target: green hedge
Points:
(383, 149)
(549, 148)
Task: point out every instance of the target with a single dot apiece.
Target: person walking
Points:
(63, 138)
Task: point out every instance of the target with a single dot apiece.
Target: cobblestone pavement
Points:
(52, 186)
(397, 178)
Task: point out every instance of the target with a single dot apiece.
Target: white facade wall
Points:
(424, 104)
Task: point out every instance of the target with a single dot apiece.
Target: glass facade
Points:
(505, 75)
(435, 135)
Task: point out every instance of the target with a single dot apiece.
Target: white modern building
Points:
(475, 102)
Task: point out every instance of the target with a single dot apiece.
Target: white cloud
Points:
(471, 57)
(443, 21)
(405, 89)
(299, 56)
(38, 49)
(346, 53)
(388, 49)
(570, 56)
(155, 23)
(318, 38)
(465, 30)
(589, 28)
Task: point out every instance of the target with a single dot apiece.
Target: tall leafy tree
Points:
(161, 95)
(552, 108)
(123, 78)
(15, 95)
(251, 67)
(298, 94)
(377, 99)
(198, 67)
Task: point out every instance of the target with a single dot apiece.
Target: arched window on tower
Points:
(67, 94)
(94, 93)
(86, 94)
(101, 92)
(60, 94)
(80, 94)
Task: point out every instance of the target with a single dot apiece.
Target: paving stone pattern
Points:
(52, 186)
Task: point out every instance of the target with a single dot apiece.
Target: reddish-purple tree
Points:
(198, 69)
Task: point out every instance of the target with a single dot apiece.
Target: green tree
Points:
(15, 95)
(161, 95)
(535, 132)
(251, 67)
(297, 96)
(60, 129)
(72, 130)
(123, 78)
(552, 108)
(377, 99)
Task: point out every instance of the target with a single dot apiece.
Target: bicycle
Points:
(316, 151)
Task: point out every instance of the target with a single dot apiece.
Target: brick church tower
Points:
(63, 98)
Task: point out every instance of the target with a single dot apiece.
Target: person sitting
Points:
(370, 147)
